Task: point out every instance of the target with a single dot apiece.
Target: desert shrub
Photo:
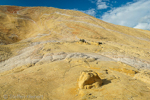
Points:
(82, 40)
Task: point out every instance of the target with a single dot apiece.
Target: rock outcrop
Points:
(89, 79)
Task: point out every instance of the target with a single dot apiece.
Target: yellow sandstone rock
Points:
(89, 79)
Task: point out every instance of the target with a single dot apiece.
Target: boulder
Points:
(89, 79)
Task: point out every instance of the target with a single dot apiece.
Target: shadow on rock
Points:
(105, 81)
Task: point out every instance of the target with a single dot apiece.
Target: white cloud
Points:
(144, 23)
(92, 1)
(91, 11)
(101, 4)
(136, 14)
(114, 1)
(143, 26)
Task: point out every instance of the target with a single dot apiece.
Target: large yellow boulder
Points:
(89, 79)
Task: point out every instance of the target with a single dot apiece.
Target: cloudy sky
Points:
(131, 13)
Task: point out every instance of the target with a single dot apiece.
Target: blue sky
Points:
(131, 13)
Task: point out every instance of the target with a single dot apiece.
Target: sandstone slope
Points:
(43, 50)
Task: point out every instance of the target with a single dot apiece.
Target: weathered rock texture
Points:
(89, 79)
(44, 49)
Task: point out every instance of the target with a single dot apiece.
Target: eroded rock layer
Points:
(43, 50)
